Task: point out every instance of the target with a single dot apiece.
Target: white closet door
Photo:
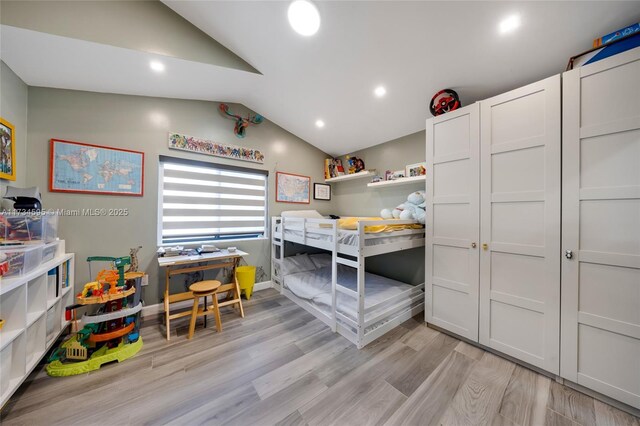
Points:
(601, 227)
(520, 223)
(452, 230)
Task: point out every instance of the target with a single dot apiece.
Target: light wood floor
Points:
(282, 366)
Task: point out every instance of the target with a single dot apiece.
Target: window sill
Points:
(215, 242)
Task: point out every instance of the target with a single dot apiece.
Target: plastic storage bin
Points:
(28, 228)
(22, 259)
(49, 252)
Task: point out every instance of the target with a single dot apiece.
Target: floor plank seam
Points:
(564, 416)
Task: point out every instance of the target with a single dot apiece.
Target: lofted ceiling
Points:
(413, 48)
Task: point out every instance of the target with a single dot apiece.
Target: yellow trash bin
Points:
(246, 276)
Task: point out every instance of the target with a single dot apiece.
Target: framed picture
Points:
(418, 169)
(321, 191)
(7, 150)
(93, 169)
(291, 188)
(397, 175)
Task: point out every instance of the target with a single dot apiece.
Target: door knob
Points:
(485, 246)
(568, 254)
(473, 245)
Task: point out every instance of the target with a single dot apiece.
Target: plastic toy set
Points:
(111, 333)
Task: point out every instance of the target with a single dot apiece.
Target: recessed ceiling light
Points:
(304, 17)
(380, 91)
(319, 124)
(509, 24)
(156, 66)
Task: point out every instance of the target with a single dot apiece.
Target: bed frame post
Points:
(334, 276)
(304, 231)
(274, 257)
(360, 276)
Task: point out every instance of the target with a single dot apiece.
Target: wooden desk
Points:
(175, 265)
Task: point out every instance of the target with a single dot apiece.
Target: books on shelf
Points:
(64, 274)
(333, 168)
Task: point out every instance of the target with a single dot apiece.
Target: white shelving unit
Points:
(368, 173)
(33, 308)
(398, 182)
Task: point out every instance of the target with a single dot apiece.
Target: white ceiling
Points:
(412, 48)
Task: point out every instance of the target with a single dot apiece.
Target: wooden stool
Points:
(204, 289)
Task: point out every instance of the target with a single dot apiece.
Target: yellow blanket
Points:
(352, 223)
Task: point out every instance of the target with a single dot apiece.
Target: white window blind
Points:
(203, 202)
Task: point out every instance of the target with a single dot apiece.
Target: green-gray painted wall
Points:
(143, 123)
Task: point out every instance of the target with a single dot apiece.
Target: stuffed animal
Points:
(412, 209)
(354, 164)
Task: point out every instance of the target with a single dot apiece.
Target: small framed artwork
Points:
(292, 188)
(322, 191)
(418, 169)
(94, 169)
(7, 150)
(398, 174)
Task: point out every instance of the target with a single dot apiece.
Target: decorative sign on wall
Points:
(203, 146)
(7, 150)
(292, 188)
(85, 168)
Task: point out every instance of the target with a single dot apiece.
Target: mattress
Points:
(315, 287)
(350, 237)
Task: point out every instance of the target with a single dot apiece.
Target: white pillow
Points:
(295, 264)
(321, 260)
(308, 214)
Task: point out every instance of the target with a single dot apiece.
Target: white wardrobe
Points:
(601, 227)
(493, 205)
(501, 271)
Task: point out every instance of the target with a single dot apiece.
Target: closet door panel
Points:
(520, 223)
(600, 344)
(453, 221)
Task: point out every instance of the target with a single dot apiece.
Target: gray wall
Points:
(142, 123)
(353, 198)
(13, 108)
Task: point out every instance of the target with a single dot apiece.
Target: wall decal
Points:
(207, 147)
(240, 129)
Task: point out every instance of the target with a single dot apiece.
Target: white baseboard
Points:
(158, 308)
(262, 286)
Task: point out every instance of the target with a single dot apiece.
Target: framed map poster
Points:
(292, 188)
(7, 150)
(93, 169)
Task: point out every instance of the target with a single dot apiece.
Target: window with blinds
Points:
(202, 202)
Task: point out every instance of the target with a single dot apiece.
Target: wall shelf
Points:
(359, 175)
(397, 182)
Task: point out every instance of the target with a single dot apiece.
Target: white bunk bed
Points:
(359, 305)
